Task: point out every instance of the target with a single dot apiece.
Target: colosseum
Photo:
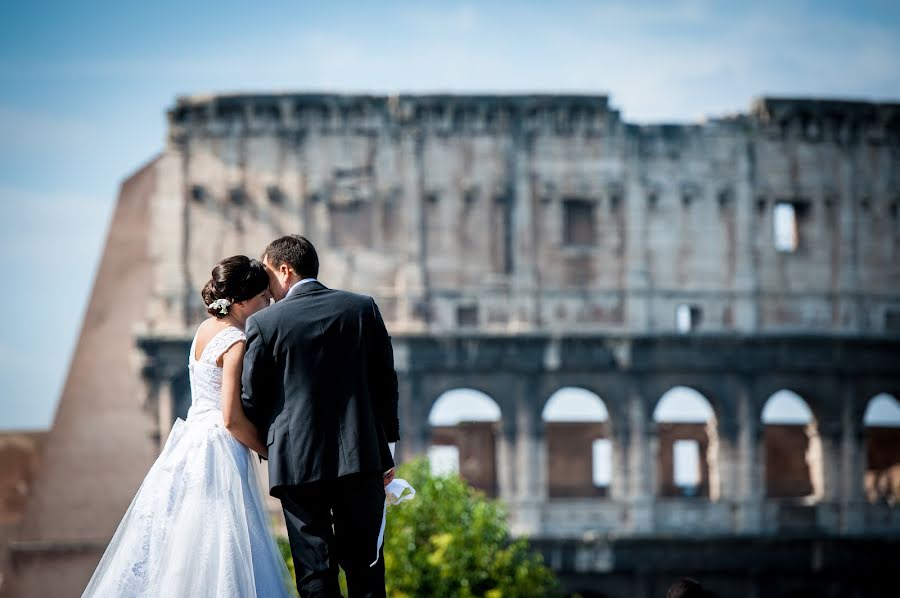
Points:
(681, 339)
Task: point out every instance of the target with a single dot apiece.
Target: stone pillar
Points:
(530, 467)
(412, 283)
(750, 473)
(637, 274)
(415, 432)
(524, 237)
(829, 472)
(506, 461)
(853, 466)
(724, 462)
(847, 239)
(745, 307)
(619, 484)
(642, 454)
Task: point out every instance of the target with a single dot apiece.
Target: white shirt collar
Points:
(296, 285)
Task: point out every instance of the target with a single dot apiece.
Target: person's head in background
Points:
(687, 588)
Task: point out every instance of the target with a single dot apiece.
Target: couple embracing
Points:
(307, 382)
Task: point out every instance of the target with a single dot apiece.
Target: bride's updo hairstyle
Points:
(234, 279)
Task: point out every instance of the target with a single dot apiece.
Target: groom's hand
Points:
(388, 476)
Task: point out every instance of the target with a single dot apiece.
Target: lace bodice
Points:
(206, 376)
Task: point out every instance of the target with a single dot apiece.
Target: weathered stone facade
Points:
(543, 213)
(518, 245)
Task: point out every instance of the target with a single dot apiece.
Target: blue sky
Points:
(84, 86)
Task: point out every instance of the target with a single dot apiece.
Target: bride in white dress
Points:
(198, 526)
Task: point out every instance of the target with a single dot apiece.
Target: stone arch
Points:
(808, 392)
(711, 389)
(463, 404)
(578, 444)
(463, 424)
(882, 439)
(793, 456)
(494, 387)
(687, 444)
(612, 388)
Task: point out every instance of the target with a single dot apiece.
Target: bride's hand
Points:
(389, 476)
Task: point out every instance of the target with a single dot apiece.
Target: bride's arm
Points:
(232, 409)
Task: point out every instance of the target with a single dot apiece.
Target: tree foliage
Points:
(451, 541)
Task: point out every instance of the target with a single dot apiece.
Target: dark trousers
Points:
(336, 523)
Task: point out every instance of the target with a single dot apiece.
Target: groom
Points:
(319, 377)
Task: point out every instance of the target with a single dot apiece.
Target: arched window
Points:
(579, 452)
(463, 437)
(688, 444)
(793, 450)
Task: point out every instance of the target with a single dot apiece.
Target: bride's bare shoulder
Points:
(207, 329)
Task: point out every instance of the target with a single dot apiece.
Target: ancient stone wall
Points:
(517, 213)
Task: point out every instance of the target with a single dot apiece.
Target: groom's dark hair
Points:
(295, 251)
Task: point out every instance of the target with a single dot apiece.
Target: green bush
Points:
(451, 541)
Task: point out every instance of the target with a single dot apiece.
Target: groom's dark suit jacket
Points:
(319, 381)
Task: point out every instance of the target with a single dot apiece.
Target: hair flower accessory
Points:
(220, 304)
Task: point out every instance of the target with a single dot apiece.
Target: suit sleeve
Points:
(256, 395)
(383, 377)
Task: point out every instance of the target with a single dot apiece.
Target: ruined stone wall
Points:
(518, 213)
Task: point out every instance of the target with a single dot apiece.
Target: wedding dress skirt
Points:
(197, 527)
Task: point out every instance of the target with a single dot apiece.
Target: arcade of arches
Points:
(672, 445)
(579, 455)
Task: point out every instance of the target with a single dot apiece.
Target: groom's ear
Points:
(286, 270)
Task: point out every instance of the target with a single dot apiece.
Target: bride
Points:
(197, 526)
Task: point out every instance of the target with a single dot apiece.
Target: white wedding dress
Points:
(197, 527)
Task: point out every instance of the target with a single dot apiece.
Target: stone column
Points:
(530, 462)
(413, 283)
(637, 275)
(506, 461)
(619, 484)
(829, 471)
(853, 465)
(642, 453)
(525, 235)
(724, 462)
(415, 431)
(750, 476)
(848, 241)
(745, 306)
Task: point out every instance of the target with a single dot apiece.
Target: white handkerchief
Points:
(394, 493)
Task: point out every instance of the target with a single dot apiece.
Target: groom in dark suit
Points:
(319, 379)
